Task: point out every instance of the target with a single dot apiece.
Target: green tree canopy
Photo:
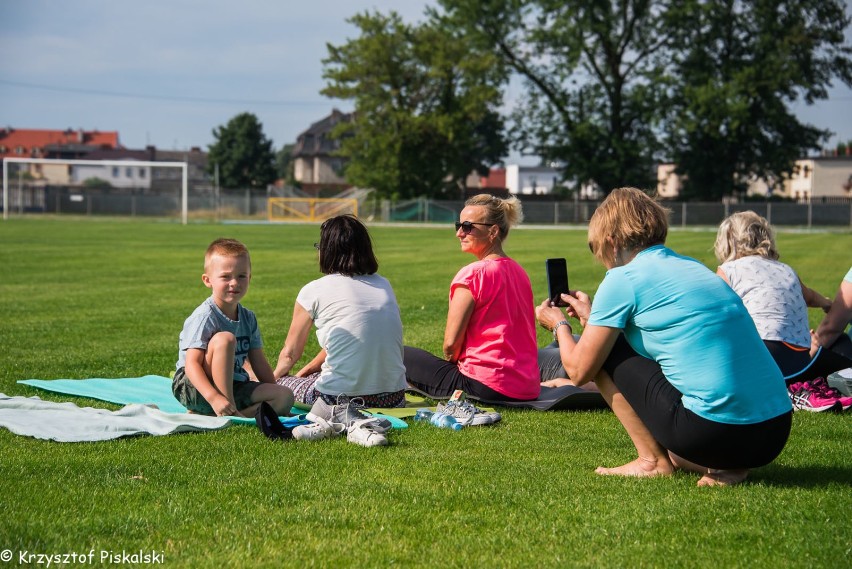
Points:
(284, 164)
(591, 70)
(425, 106)
(243, 153)
(613, 87)
(741, 67)
(96, 182)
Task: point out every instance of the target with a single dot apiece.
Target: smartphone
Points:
(557, 280)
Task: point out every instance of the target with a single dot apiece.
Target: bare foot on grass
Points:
(723, 477)
(642, 467)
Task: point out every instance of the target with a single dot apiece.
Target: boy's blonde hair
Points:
(502, 212)
(743, 234)
(631, 218)
(226, 247)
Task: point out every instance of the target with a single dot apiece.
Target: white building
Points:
(822, 176)
(124, 176)
(669, 184)
(814, 177)
(532, 180)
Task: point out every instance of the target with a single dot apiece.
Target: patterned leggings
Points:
(304, 392)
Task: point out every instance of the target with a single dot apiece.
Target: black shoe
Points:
(270, 425)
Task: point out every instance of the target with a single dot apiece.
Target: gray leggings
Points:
(550, 362)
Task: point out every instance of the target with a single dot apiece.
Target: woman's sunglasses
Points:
(467, 226)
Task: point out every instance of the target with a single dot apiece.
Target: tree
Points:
(741, 67)
(96, 183)
(425, 107)
(591, 70)
(615, 86)
(243, 153)
(284, 164)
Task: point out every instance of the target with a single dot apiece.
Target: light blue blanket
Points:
(66, 422)
(149, 390)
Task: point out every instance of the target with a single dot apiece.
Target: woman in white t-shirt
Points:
(358, 326)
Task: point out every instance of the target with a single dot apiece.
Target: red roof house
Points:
(67, 144)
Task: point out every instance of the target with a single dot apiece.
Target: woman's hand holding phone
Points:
(579, 305)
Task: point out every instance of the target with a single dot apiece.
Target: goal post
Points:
(105, 163)
(309, 209)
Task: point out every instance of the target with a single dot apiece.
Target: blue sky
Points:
(167, 72)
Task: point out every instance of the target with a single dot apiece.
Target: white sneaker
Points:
(466, 413)
(318, 430)
(365, 432)
(346, 411)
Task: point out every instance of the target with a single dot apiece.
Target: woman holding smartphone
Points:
(673, 351)
(489, 348)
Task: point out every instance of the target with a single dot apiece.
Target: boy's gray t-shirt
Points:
(207, 320)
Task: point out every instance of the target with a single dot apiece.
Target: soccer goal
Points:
(65, 169)
(309, 209)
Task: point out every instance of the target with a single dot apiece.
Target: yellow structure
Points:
(309, 209)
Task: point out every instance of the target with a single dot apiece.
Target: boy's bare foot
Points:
(640, 467)
(723, 477)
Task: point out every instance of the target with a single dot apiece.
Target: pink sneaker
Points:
(827, 391)
(807, 398)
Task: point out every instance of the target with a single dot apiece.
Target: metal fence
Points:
(244, 205)
(683, 214)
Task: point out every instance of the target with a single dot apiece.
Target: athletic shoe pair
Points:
(817, 396)
(828, 391)
(467, 414)
(347, 415)
(347, 410)
(361, 429)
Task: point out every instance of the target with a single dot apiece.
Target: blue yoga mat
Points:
(149, 389)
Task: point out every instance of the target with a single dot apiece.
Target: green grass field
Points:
(107, 298)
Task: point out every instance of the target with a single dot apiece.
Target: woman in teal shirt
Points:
(673, 351)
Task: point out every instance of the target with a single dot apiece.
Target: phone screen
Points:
(557, 280)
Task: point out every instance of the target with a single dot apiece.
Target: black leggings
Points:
(438, 378)
(842, 346)
(677, 429)
(797, 365)
(793, 361)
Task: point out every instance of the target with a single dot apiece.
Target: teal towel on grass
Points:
(147, 390)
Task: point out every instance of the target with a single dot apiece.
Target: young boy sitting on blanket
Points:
(216, 340)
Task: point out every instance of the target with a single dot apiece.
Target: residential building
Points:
(38, 143)
(145, 177)
(95, 145)
(821, 176)
(532, 180)
(315, 165)
(170, 178)
(123, 177)
(826, 176)
(66, 144)
(494, 180)
(669, 184)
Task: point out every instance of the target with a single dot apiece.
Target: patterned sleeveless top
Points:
(772, 294)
